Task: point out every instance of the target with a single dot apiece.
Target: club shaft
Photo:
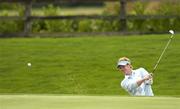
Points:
(157, 63)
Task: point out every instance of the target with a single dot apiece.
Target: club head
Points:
(171, 31)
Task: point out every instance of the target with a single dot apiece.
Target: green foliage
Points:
(20, 9)
(139, 8)
(104, 25)
(165, 8)
(84, 26)
(11, 26)
(39, 26)
(76, 25)
(111, 8)
(52, 25)
(160, 25)
(98, 25)
(51, 10)
(138, 24)
(155, 25)
(15, 8)
(8, 6)
(169, 8)
(176, 24)
(59, 26)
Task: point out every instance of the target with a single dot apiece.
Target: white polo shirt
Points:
(130, 83)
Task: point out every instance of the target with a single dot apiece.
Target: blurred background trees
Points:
(169, 8)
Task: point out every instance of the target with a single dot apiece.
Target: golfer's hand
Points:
(151, 74)
(148, 77)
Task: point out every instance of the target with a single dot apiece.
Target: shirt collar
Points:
(129, 76)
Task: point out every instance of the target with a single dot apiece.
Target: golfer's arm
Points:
(147, 77)
(139, 82)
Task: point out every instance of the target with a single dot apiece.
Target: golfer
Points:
(136, 82)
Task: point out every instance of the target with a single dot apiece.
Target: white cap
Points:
(123, 63)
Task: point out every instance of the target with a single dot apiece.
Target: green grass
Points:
(73, 11)
(61, 11)
(82, 11)
(85, 65)
(87, 102)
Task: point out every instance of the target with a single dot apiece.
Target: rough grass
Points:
(85, 65)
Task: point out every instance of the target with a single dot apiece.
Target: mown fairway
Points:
(86, 102)
(85, 65)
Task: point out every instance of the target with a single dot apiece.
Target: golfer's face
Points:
(125, 68)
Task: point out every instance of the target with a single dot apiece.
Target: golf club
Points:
(172, 34)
